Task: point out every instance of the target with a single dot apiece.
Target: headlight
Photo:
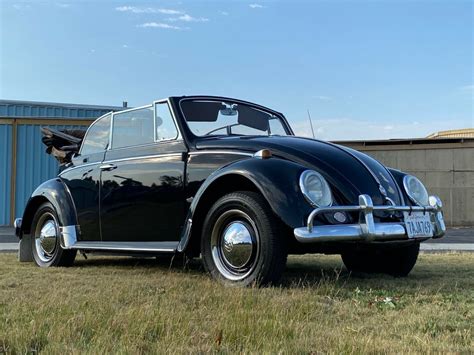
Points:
(315, 189)
(416, 190)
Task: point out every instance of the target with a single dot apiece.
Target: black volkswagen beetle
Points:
(228, 180)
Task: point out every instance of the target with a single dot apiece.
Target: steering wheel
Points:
(229, 132)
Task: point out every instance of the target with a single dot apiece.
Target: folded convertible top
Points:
(62, 144)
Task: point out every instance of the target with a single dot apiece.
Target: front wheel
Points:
(240, 243)
(396, 261)
(46, 248)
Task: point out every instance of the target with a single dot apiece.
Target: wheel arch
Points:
(275, 179)
(55, 192)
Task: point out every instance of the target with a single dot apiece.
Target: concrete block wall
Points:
(447, 170)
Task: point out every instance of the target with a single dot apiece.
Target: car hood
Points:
(349, 172)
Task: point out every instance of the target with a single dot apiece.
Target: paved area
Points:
(456, 239)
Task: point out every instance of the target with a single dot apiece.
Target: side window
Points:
(133, 128)
(165, 127)
(97, 137)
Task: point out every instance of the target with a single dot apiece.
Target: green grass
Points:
(129, 305)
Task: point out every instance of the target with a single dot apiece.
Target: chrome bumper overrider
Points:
(17, 226)
(367, 230)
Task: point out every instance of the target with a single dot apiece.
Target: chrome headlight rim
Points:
(306, 193)
(406, 186)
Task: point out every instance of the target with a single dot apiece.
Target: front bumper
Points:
(367, 230)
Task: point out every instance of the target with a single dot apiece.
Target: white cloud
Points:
(147, 10)
(169, 12)
(256, 6)
(63, 5)
(188, 18)
(124, 46)
(159, 25)
(224, 13)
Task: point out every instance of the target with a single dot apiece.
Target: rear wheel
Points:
(240, 244)
(46, 248)
(397, 261)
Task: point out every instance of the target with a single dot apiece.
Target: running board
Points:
(159, 247)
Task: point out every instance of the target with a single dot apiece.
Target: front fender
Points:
(57, 193)
(276, 179)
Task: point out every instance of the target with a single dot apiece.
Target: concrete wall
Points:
(447, 170)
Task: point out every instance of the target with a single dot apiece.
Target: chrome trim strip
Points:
(368, 230)
(376, 178)
(166, 247)
(68, 240)
(71, 168)
(122, 159)
(221, 152)
(143, 157)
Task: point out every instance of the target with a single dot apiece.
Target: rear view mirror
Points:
(228, 110)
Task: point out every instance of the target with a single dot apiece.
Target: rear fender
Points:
(57, 193)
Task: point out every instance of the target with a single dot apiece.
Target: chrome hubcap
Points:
(46, 237)
(235, 245)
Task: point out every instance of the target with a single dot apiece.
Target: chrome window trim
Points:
(125, 111)
(92, 124)
(178, 132)
(287, 127)
(155, 141)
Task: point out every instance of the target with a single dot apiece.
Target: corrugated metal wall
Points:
(34, 166)
(22, 110)
(5, 172)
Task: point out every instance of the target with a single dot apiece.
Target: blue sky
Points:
(364, 69)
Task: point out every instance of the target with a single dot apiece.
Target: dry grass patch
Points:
(130, 305)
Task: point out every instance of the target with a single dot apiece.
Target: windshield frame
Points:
(280, 116)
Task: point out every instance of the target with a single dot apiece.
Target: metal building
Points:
(23, 161)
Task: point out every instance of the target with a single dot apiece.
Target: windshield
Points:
(209, 118)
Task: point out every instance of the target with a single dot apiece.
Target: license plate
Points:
(418, 224)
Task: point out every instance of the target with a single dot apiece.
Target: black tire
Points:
(261, 261)
(47, 251)
(396, 261)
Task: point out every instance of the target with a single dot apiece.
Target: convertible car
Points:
(226, 180)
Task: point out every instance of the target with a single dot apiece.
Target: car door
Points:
(142, 189)
(83, 178)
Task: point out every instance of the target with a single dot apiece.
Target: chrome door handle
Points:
(108, 167)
